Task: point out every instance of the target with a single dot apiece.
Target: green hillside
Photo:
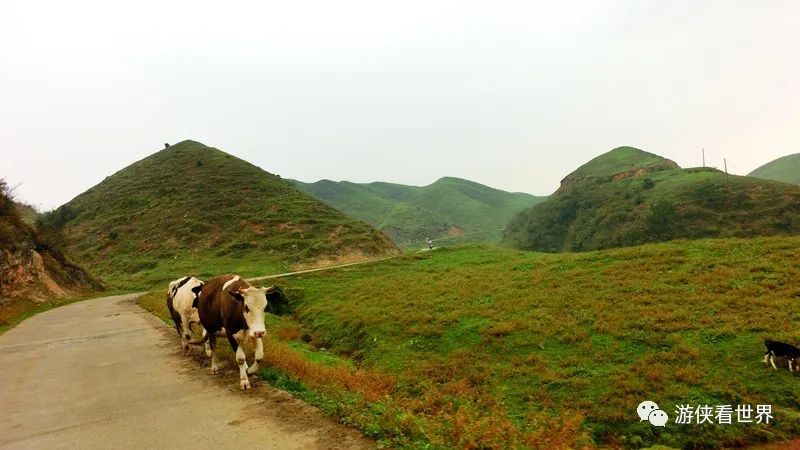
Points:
(620, 163)
(34, 271)
(786, 169)
(557, 350)
(628, 197)
(451, 208)
(193, 209)
(27, 213)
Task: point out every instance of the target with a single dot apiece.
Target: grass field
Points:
(786, 169)
(490, 347)
(451, 208)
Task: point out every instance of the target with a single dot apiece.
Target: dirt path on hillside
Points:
(318, 269)
(104, 373)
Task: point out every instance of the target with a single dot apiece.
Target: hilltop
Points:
(786, 169)
(628, 197)
(618, 164)
(450, 208)
(33, 269)
(194, 209)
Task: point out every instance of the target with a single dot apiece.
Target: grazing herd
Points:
(226, 304)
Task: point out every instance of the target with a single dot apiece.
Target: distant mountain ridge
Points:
(452, 208)
(786, 169)
(194, 209)
(629, 197)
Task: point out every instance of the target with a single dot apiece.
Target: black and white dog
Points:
(783, 350)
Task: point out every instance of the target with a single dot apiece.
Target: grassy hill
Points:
(27, 213)
(786, 169)
(494, 347)
(193, 209)
(628, 197)
(618, 164)
(451, 208)
(34, 272)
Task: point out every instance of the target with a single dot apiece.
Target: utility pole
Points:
(704, 157)
(727, 178)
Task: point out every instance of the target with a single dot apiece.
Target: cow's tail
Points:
(200, 341)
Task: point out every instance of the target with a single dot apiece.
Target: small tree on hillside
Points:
(662, 213)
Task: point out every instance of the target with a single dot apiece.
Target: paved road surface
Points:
(104, 373)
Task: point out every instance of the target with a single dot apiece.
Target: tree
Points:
(662, 213)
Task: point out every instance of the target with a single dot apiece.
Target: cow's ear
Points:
(197, 288)
(237, 295)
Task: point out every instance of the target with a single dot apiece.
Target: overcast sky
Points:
(514, 95)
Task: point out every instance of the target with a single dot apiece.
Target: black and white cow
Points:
(231, 303)
(781, 350)
(182, 297)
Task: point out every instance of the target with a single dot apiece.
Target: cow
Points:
(230, 302)
(783, 350)
(182, 297)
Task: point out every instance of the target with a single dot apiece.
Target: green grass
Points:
(786, 169)
(535, 339)
(450, 209)
(193, 209)
(653, 203)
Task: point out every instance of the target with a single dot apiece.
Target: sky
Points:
(514, 95)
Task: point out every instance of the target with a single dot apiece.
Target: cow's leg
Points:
(259, 345)
(208, 349)
(237, 341)
(212, 343)
(176, 318)
(766, 358)
(790, 365)
(178, 322)
(186, 331)
(772, 361)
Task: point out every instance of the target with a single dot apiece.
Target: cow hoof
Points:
(208, 353)
(214, 369)
(244, 384)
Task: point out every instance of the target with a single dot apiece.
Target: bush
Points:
(662, 213)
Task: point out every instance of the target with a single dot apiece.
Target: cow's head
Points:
(254, 305)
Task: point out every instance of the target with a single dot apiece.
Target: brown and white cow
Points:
(182, 297)
(232, 303)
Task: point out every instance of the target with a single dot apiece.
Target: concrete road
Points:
(104, 373)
